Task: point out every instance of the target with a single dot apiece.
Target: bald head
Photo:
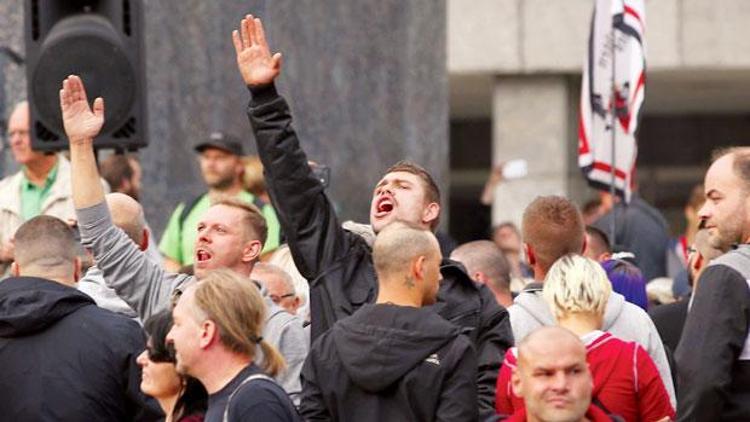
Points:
(484, 256)
(398, 244)
(46, 247)
(544, 340)
(127, 214)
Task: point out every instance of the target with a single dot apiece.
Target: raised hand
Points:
(254, 59)
(81, 122)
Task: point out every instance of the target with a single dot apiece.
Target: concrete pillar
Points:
(532, 121)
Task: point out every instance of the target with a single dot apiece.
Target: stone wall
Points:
(366, 80)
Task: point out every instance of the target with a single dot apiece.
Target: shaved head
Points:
(486, 257)
(398, 244)
(46, 247)
(127, 214)
(553, 376)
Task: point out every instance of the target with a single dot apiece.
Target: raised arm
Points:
(307, 218)
(82, 124)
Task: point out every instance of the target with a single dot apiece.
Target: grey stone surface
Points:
(367, 82)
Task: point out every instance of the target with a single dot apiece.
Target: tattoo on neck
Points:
(409, 282)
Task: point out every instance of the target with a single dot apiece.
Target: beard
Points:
(220, 181)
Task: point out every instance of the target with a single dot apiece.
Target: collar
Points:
(51, 176)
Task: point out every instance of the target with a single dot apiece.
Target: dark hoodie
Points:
(391, 363)
(63, 358)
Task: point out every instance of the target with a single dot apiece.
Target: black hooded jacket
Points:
(390, 363)
(62, 358)
(338, 263)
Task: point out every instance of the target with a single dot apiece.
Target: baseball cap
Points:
(222, 141)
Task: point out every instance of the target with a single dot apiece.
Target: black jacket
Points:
(713, 356)
(339, 264)
(390, 363)
(62, 358)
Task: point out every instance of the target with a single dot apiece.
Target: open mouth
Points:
(202, 255)
(383, 207)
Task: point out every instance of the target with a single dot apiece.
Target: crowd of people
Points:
(259, 303)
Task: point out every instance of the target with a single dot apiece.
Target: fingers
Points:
(237, 42)
(245, 32)
(259, 34)
(276, 60)
(99, 107)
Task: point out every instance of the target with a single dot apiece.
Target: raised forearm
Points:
(87, 189)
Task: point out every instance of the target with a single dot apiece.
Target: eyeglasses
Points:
(160, 356)
(276, 299)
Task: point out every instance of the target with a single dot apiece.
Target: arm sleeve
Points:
(653, 400)
(170, 245)
(495, 337)
(312, 404)
(659, 357)
(137, 280)
(459, 395)
(307, 218)
(711, 342)
(293, 345)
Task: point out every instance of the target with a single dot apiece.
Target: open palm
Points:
(254, 59)
(81, 122)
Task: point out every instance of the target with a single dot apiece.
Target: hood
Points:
(30, 304)
(614, 308)
(381, 343)
(530, 299)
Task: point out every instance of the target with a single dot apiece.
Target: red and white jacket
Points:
(626, 381)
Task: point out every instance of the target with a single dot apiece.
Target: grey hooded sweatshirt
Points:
(621, 318)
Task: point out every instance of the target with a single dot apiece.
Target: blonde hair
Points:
(252, 179)
(235, 305)
(576, 284)
(254, 222)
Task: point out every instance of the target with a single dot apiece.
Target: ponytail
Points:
(272, 363)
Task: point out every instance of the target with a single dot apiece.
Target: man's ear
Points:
(480, 277)
(430, 213)
(77, 269)
(144, 241)
(697, 262)
(209, 330)
(251, 250)
(585, 244)
(417, 268)
(15, 269)
(515, 382)
(530, 257)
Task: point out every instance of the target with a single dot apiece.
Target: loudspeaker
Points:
(102, 42)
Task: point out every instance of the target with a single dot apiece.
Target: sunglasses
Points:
(160, 356)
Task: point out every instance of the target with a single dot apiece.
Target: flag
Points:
(609, 114)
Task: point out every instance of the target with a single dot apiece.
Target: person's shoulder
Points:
(112, 324)
(256, 395)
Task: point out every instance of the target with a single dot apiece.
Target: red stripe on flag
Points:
(632, 12)
(583, 147)
(598, 165)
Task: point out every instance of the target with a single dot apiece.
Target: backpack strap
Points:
(245, 381)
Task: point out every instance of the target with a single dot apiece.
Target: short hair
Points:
(45, 242)
(485, 256)
(116, 169)
(740, 162)
(553, 227)
(599, 240)
(576, 284)
(545, 334)
(702, 244)
(398, 244)
(252, 178)
(254, 223)
(432, 192)
(235, 305)
(264, 267)
(127, 214)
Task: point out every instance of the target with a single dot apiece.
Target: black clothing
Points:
(257, 400)
(390, 363)
(669, 321)
(642, 230)
(65, 359)
(713, 357)
(339, 263)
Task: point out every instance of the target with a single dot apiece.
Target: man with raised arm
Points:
(229, 236)
(340, 262)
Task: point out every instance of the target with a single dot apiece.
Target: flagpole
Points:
(613, 110)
